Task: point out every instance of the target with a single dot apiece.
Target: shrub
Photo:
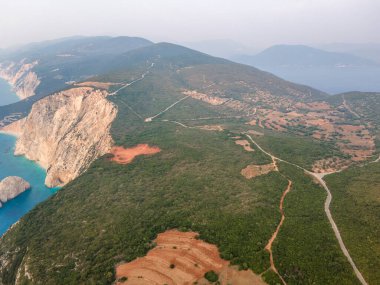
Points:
(211, 276)
(122, 279)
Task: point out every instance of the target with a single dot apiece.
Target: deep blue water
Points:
(11, 165)
(7, 96)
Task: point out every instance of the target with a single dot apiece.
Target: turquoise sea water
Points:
(7, 96)
(11, 165)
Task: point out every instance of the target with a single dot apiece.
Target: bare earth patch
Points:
(245, 144)
(100, 85)
(252, 170)
(255, 133)
(126, 155)
(218, 128)
(180, 258)
(330, 164)
(213, 100)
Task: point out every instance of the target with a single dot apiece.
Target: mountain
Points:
(331, 72)
(193, 144)
(370, 51)
(220, 48)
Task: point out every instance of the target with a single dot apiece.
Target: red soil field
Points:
(126, 155)
(181, 258)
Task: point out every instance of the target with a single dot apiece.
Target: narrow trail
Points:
(149, 119)
(132, 110)
(221, 117)
(133, 82)
(268, 247)
(348, 108)
(319, 178)
(180, 124)
(129, 84)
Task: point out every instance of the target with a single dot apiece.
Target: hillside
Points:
(332, 72)
(201, 113)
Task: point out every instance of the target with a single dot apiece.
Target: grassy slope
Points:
(356, 210)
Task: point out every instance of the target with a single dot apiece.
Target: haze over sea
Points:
(11, 165)
(7, 96)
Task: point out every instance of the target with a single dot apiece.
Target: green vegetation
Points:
(271, 277)
(356, 210)
(112, 212)
(299, 150)
(306, 251)
(191, 184)
(211, 276)
(122, 279)
(366, 106)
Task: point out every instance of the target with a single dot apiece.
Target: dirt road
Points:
(319, 178)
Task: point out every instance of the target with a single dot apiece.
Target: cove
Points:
(7, 96)
(11, 165)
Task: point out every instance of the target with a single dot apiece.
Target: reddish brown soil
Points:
(190, 257)
(268, 247)
(100, 85)
(126, 155)
(218, 128)
(245, 144)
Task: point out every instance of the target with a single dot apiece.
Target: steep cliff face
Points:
(11, 187)
(65, 132)
(21, 76)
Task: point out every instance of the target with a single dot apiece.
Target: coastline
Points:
(11, 165)
(8, 93)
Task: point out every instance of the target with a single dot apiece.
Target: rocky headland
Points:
(21, 77)
(65, 132)
(11, 187)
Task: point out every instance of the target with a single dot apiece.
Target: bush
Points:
(211, 276)
(122, 279)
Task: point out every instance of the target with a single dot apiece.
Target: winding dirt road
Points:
(319, 178)
(268, 247)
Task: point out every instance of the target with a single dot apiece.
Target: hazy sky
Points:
(257, 23)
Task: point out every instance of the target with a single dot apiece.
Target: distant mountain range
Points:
(370, 50)
(332, 72)
(221, 48)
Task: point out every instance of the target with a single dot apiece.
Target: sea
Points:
(7, 96)
(11, 165)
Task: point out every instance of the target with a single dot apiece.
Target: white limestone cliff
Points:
(21, 77)
(11, 187)
(65, 132)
